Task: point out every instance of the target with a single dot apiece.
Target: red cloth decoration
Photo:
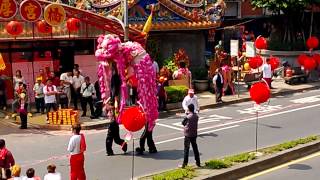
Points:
(301, 58)
(261, 43)
(133, 81)
(43, 27)
(255, 62)
(260, 92)
(133, 119)
(274, 62)
(312, 42)
(73, 24)
(14, 28)
(309, 63)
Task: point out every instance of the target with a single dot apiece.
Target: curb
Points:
(264, 163)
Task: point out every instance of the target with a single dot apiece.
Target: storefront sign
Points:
(234, 46)
(8, 9)
(250, 49)
(30, 10)
(54, 14)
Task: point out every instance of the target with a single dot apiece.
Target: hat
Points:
(190, 91)
(39, 79)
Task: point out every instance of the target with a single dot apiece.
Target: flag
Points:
(148, 24)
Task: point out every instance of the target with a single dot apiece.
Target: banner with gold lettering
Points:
(30, 10)
(54, 14)
(8, 9)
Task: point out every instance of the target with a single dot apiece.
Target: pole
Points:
(238, 76)
(132, 170)
(125, 20)
(257, 131)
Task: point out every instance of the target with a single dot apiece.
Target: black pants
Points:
(63, 102)
(24, 120)
(98, 111)
(147, 135)
(3, 99)
(84, 102)
(113, 135)
(193, 141)
(218, 93)
(162, 103)
(39, 104)
(76, 98)
(51, 105)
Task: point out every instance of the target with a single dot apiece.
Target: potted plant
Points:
(200, 79)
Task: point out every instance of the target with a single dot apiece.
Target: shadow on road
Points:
(300, 167)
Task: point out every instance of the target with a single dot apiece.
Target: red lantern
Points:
(73, 24)
(260, 92)
(301, 59)
(312, 42)
(309, 63)
(255, 62)
(261, 43)
(274, 62)
(14, 28)
(133, 119)
(43, 27)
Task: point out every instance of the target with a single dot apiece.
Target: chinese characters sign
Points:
(54, 14)
(30, 10)
(8, 9)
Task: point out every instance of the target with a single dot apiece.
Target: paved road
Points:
(223, 131)
(306, 168)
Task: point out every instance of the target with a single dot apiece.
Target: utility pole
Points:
(125, 21)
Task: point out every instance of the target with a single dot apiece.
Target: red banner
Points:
(30, 10)
(8, 9)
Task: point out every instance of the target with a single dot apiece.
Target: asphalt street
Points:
(306, 168)
(222, 131)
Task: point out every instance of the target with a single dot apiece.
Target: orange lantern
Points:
(73, 24)
(14, 28)
(43, 27)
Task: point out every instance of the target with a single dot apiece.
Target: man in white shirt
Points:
(67, 79)
(218, 85)
(87, 91)
(267, 72)
(77, 81)
(190, 99)
(50, 92)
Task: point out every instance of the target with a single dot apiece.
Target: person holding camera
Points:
(87, 91)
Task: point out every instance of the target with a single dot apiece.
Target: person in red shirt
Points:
(55, 79)
(6, 157)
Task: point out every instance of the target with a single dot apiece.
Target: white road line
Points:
(168, 126)
(211, 131)
(260, 117)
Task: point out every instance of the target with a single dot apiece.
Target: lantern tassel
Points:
(2, 64)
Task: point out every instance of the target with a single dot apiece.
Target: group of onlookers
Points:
(9, 170)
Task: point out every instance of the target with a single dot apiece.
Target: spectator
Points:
(77, 81)
(62, 96)
(77, 147)
(155, 67)
(8, 174)
(52, 174)
(31, 175)
(218, 85)
(15, 102)
(190, 124)
(67, 81)
(18, 79)
(42, 75)
(87, 91)
(16, 171)
(55, 79)
(39, 96)
(23, 106)
(98, 101)
(50, 92)
(190, 99)
(267, 72)
(162, 95)
(6, 157)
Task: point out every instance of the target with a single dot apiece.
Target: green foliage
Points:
(283, 5)
(176, 93)
(199, 73)
(289, 145)
(218, 164)
(240, 158)
(169, 63)
(176, 174)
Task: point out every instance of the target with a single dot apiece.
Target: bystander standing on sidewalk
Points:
(267, 72)
(190, 124)
(39, 95)
(218, 85)
(67, 81)
(6, 159)
(77, 146)
(50, 92)
(77, 81)
(190, 99)
(62, 97)
(23, 109)
(87, 91)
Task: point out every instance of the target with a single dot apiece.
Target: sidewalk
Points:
(206, 100)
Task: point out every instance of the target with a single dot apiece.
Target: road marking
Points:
(211, 131)
(203, 120)
(253, 110)
(310, 99)
(261, 117)
(168, 126)
(282, 166)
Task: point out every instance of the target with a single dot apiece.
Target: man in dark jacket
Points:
(218, 85)
(190, 124)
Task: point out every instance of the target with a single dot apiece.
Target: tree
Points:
(292, 11)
